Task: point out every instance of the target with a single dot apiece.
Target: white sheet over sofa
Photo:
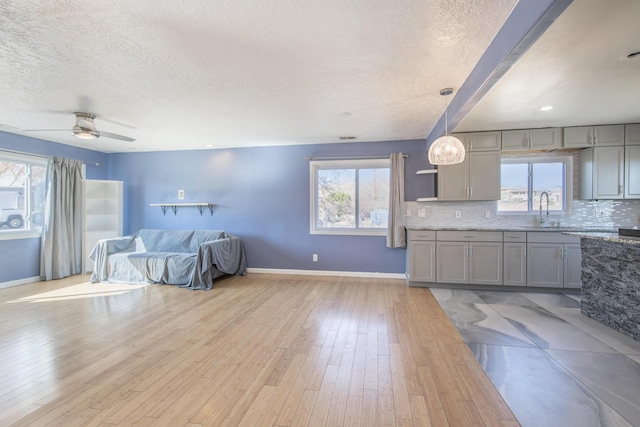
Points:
(187, 258)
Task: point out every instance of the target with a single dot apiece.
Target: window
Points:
(22, 192)
(524, 179)
(350, 196)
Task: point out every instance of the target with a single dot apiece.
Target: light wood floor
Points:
(263, 349)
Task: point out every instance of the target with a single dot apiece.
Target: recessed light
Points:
(209, 145)
(347, 138)
(346, 114)
(547, 108)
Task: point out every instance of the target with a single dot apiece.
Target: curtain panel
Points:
(61, 242)
(396, 236)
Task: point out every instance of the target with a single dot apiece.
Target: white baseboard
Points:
(19, 282)
(327, 273)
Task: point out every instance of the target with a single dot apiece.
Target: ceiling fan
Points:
(85, 128)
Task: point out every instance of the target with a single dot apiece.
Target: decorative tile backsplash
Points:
(603, 213)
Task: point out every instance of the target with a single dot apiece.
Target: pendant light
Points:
(446, 150)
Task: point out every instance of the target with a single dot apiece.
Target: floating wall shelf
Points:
(427, 199)
(426, 171)
(174, 207)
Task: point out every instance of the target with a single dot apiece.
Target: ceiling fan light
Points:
(85, 133)
(446, 150)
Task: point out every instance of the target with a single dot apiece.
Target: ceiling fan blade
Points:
(116, 136)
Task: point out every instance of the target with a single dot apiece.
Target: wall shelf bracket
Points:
(174, 207)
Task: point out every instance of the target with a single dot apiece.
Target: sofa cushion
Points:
(152, 267)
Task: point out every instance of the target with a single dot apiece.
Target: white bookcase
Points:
(101, 215)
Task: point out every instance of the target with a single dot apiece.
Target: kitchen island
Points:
(611, 280)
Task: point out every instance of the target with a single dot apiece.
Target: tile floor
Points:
(552, 365)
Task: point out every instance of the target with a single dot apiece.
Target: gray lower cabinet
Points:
(553, 260)
(545, 266)
(469, 257)
(421, 256)
(572, 266)
(452, 262)
(536, 259)
(515, 258)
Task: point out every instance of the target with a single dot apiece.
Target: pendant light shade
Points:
(446, 150)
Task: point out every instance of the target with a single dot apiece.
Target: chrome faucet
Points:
(542, 220)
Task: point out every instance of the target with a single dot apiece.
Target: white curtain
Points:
(61, 243)
(395, 232)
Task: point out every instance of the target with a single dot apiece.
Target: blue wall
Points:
(262, 195)
(20, 258)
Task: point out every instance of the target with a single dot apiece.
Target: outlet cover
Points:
(407, 212)
(315, 257)
(487, 214)
(180, 194)
(458, 214)
(422, 213)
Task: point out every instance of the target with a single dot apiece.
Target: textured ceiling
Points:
(578, 66)
(182, 75)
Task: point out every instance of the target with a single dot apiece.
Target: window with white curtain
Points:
(22, 194)
(350, 196)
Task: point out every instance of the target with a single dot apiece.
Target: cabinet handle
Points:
(524, 252)
(470, 191)
(529, 142)
(560, 253)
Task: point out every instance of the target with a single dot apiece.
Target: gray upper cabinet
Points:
(593, 136)
(481, 141)
(477, 178)
(532, 139)
(632, 172)
(602, 173)
(632, 134)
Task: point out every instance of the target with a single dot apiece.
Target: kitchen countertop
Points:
(583, 230)
(610, 237)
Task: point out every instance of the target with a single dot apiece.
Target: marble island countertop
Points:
(594, 230)
(608, 236)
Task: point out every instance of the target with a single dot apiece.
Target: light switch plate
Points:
(180, 194)
(407, 212)
(422, 213)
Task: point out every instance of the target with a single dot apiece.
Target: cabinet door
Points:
(485, 263)
(485, 141)
(608, 135)
(453, 181)
(578, 137)
(545, 265)
(632, 172)
(632, 134)
(608, 167)
(572, 266)
(513, 140)
(545, 139)
(484, 175)
(421, 259)
(515, 264)
(451, 262)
